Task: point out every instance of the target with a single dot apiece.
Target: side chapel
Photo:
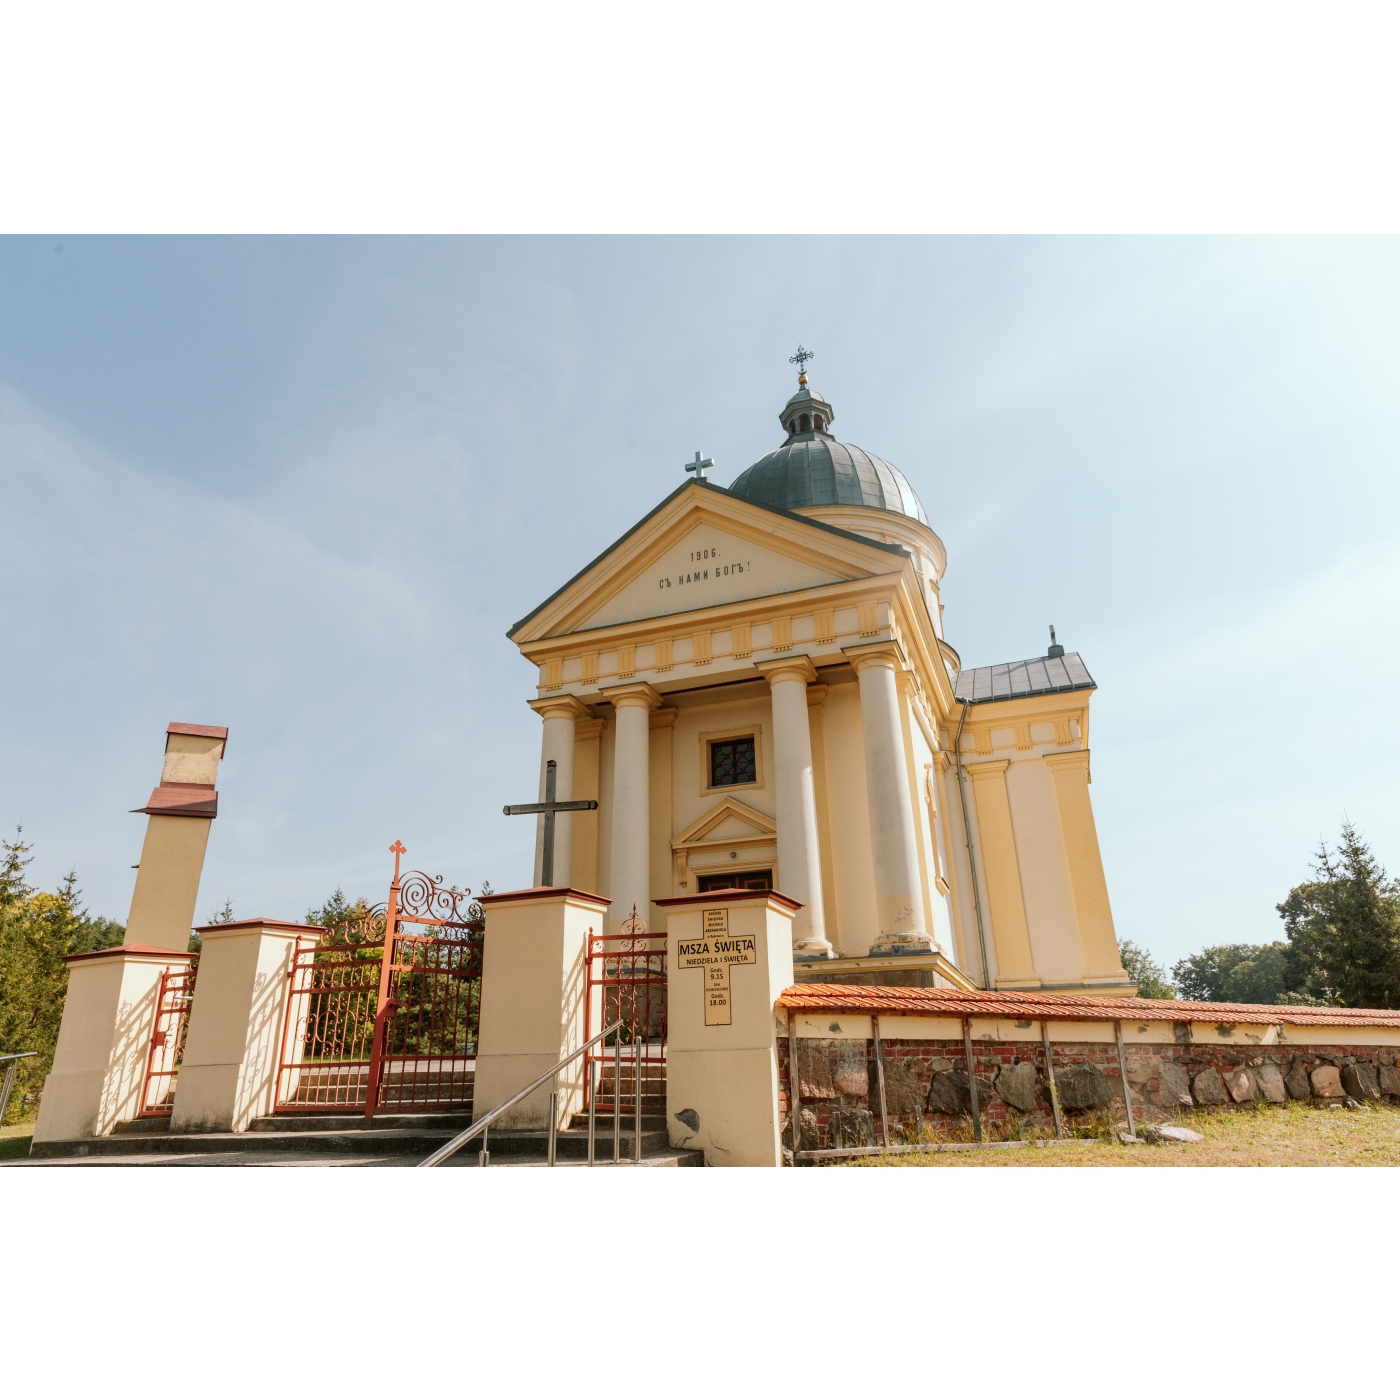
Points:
(754, 685)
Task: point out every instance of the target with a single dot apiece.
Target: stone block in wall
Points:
(850, 1127)
(904, 1094)
(1140, 1076)
(814, 1074)
(1016, 1085)
(1241, 1084)
(1173, 1086)
(1208, 1087)
(1271, 1085)
(1082, 1087)
(1389, 1080)
(1361, 1081)
(1296, 1080)
(850, 1075)
(1326, 1082)
(811, 1136)
(948, 1092)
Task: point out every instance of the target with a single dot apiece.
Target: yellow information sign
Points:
(716, 952)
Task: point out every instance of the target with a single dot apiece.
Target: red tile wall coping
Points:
(1045, 1006)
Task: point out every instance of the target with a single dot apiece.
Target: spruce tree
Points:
(1343, 928)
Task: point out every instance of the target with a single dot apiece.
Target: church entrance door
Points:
(383, 1016)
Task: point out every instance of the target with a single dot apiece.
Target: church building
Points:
(754, 685)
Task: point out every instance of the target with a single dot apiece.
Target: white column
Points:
(560, 714)
(899, 904)
(799, 852)
(631, 807)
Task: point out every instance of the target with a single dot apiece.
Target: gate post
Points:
(728, 960)
(109, 1009)
(99, 1065)
(234, 1042)
(533, 989)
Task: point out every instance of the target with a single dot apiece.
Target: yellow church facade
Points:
(754, 686)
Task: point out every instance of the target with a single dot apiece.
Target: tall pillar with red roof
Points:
(104, 1038)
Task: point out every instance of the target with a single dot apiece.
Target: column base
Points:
(891, 944)
(812, 950)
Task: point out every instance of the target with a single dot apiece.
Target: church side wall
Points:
(849, 817)
(966, 871)
(1056, 949)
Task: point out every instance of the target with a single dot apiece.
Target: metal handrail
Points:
(483, 1125)
(10, 1078)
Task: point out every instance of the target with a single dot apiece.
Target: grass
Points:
(1291, 1135)
(15, 1140)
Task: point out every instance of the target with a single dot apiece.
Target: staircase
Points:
(388, 1139)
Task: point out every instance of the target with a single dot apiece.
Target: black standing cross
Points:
(549, 807)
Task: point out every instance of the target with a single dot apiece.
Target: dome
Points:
(812, 469)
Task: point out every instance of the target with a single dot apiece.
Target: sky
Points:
(302, 487)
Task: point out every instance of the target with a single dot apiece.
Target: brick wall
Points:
(839, 1081)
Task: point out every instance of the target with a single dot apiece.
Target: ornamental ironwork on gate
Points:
(172, 1022)
(629, 969)
(383, 1015)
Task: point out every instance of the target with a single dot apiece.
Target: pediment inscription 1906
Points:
(705, 565)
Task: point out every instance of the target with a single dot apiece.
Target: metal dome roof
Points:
(812, 469)
(816, 470)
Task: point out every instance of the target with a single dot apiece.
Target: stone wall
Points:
(926, 1083)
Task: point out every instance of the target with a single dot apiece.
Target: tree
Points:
(1149, 975)
(1247, 972)
(1343, 928)
(37, 930)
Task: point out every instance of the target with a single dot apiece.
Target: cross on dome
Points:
(800, 360)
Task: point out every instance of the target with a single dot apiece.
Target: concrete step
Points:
(390, 1142)
(650, 1121)
(570, 1142)
(381, 1142)
(670, 1157)
(451, 1123)
(143, 1127)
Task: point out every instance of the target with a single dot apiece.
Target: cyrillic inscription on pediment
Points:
(706, 568)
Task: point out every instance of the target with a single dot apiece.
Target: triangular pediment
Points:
(728, 820)
(704, 548)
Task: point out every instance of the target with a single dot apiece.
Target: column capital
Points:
(560, 707)
(993, 769)
(1079, 758)
(816, 695)
(886, 654)
(589, 728)
(663, 718)
(788, 668)
(637, 695)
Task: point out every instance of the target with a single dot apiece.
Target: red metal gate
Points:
(168, 1032)
(630, 970)
(384, 1018)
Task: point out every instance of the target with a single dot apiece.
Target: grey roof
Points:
(1041, 675)
(816, 470)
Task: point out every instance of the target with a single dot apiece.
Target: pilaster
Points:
(234, 1042)
(1071, 774)
(1010, 933)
